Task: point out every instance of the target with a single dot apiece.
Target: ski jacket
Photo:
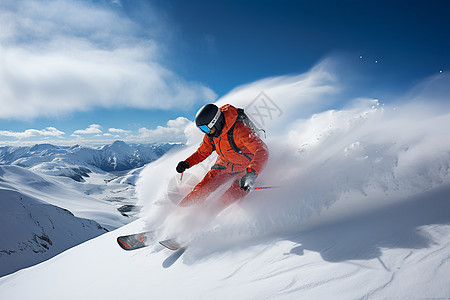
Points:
(254, 152)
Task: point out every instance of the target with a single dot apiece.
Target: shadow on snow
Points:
(362, 237)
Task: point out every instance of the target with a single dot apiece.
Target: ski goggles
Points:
(204, 128)
(207, 128)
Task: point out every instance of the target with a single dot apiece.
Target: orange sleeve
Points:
(244, 136)
(204, 150)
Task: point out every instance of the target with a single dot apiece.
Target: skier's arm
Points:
(243, 135)
(204, 150)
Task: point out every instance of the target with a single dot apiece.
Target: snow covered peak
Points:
(118, 156)
(43, 147)
(119, 145)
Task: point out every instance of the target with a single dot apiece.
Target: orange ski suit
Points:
(230, 165)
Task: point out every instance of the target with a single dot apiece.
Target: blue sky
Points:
(96, 71)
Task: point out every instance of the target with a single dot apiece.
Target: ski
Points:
(144, 239)
(171, 244)
(135, 241)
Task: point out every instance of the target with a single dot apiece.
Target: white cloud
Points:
(173, 132)
(119, 131)
(92, 129)
(117, 2)
(112, 135)
(59, 57)
(47, 132)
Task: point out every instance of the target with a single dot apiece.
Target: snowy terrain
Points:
(33, 230)
(360, 209)
(46, 208)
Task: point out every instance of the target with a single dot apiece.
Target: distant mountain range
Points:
(77, 161)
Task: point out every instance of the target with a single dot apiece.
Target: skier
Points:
(242, 154)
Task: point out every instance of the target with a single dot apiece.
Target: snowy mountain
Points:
(34, 230)
(77, 161)
(53, 197)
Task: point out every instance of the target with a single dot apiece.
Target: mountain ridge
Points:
(78, 161)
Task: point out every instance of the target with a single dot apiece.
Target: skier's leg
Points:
(212, 180)
(233, 194)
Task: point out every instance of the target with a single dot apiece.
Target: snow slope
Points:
(395, 253)
(42, 216)
(34, 231)
(53, 196)
(61, 192)
(362, 210)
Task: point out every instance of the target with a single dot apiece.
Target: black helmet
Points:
(209, 116)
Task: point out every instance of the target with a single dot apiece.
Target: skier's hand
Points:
(182, 166)
(248, 180)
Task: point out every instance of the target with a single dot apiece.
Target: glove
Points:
(248, 180)
(182, 166)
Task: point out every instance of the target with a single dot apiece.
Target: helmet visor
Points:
(204, 128)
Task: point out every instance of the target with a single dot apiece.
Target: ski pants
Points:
(212, 181)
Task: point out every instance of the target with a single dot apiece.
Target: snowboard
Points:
(135, 241)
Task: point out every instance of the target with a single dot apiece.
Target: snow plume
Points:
(276, 102)
(326, 166)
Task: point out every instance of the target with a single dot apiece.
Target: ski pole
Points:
(265, 187)
(181, 178)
